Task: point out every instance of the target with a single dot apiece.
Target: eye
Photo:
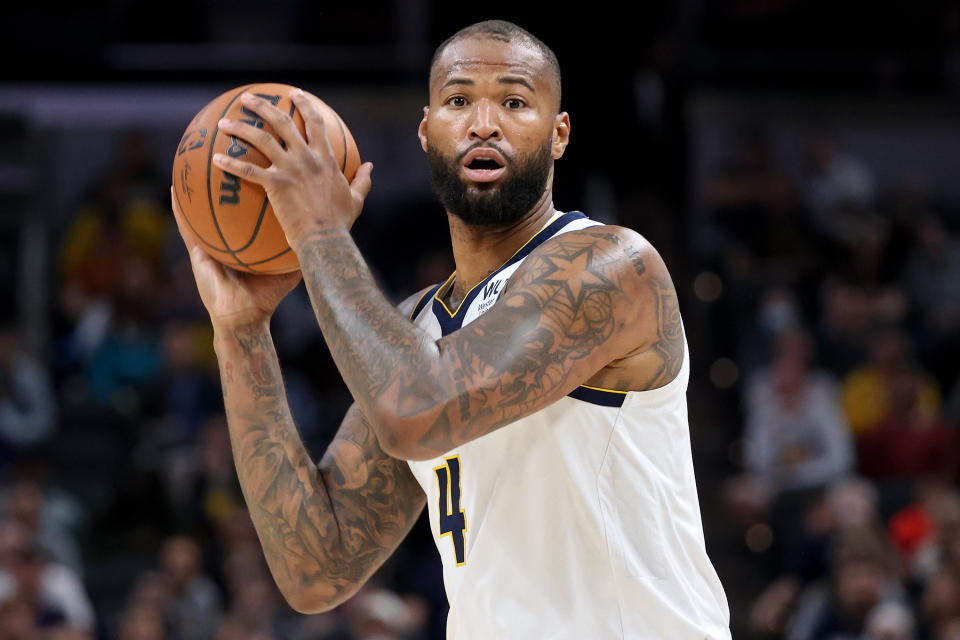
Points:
(457, 101)
(515, 103)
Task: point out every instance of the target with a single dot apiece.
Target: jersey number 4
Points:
(453, 521)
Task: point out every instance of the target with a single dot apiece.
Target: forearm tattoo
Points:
(324, 529)
(561, 311)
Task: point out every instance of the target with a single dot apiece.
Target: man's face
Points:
(492, 131)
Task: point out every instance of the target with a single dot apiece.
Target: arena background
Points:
(794, 162)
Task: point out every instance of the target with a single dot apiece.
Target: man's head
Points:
(493, 127)
(508, 33)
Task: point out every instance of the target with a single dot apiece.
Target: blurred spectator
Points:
(27, 403)
(194, 608)
(778, 311)
(130, 353)
(233, 629)
(869, 257)
(849, 505)
(18, 620)
(940, 602)
(756, 206)
(256, 607)
(151, 592)
(202, 480)
(927, 532)
(379, 614)
(909, 442)
(834, 181)
(46, 523)
(932, 274)
(864, 576)
(123, 217)
(890, 621)
(55, 593)
(185, 387)
(866, 392)
(111, 257)
(847, 316)
(932, 280)
(949, 630)
(141, 623)
(752, 183)
(795, 437)
(951, 406)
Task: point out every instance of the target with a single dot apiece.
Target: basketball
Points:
(232, 217)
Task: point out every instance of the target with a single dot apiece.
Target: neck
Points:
(479, 251)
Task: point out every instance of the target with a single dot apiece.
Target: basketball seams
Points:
(213, 212)
(259, 269)
(273, 257)
(193, 230)
(263, 209)
(343, 138)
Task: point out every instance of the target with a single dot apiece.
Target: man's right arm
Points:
(324, 528)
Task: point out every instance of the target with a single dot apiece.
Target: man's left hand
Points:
(303, 182)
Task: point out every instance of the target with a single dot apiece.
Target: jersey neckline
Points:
(450, 321)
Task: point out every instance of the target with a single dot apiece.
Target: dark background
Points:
(794, 162)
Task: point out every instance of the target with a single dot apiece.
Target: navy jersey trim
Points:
(422, 302)
(602, 397)
(452, 321)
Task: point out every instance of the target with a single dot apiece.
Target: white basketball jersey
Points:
(579, 522)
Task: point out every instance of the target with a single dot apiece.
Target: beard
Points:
(491, 204)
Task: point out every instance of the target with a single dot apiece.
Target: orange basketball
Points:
(231, 217)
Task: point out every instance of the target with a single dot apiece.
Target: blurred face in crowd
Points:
(17, 620)
(820, 153)
(853, 504)
(181, 560)
(151, 591)
(142, 624)
(941, 598)
(492, 129)
(859, 583)
(26, 504)
(20, 558)
(889, 350)
(9, 341)
(950, 630)
(889, 621)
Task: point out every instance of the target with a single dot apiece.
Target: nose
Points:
(484, 125)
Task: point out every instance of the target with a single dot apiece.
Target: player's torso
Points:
(534, 521)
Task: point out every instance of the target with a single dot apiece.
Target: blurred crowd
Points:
(840, 310)
(121, 516)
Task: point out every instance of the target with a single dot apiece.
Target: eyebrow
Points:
(517, 80)
(505, 80)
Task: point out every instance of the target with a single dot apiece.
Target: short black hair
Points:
(506, 32)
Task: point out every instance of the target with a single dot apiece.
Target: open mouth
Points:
(483, 165)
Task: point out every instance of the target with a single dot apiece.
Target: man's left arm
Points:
(580, 301)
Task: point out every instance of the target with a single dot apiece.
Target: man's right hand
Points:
(232, 297)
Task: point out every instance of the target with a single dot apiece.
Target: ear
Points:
(561, 135)
(422, 129)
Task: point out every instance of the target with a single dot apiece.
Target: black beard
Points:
(496, 204)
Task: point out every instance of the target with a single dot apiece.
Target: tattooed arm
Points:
(579, 302)
(324, 528)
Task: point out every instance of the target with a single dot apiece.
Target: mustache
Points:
(488, 145)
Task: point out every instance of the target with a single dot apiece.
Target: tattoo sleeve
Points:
(569, 310)
(324, 529)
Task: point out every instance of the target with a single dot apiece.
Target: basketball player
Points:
(535, 401)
